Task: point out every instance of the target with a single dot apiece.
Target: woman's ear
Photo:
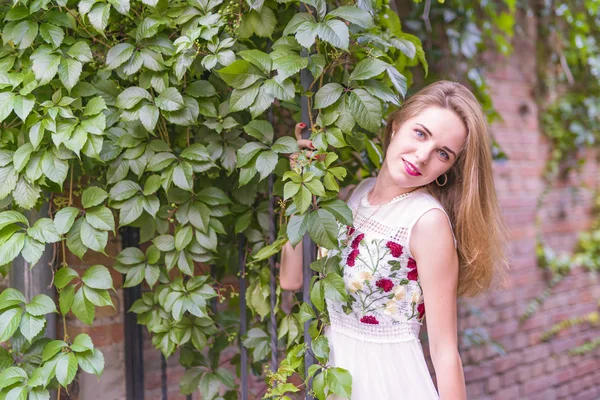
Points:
(395, 127)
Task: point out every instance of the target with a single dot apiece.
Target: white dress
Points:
(375, 334)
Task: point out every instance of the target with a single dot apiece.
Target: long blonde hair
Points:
(469, 196)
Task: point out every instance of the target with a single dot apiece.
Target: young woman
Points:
(426, 229)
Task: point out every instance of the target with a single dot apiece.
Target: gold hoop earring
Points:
(442, 184)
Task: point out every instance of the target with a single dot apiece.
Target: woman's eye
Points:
(444, 155)
(420, 134)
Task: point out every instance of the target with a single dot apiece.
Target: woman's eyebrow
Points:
(430, 134)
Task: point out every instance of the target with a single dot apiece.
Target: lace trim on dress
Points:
(375, 227)
(388, 333)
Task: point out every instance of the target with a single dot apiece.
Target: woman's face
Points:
(424, 147)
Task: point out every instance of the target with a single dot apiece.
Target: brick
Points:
(588, 394)
(507, 393)
(505, 363)
(475, 389)
(493, 384)
(534, 385)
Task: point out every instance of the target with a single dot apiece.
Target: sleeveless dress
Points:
(375, 334)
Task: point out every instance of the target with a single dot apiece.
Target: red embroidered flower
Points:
(412, 275)
(395, 248)
(421, 310)
(412, 264)
(357, 240)
(385, 284)
(352, 257)
(350, 230)
(369, 319)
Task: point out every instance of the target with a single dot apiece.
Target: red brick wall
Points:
(532, 369)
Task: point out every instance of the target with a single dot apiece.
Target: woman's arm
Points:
(432, 244)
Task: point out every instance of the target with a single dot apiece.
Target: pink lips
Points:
(411, 169)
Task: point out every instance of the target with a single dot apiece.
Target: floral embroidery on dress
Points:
(381, 278)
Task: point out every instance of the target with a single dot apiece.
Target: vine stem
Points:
(85, 29)
(71, 186)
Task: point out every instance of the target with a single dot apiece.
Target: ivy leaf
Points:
(340, 210)
(95, 106)
(91, 361)
(319, 5)
(285, 144)
(44, 64)
(11, 297)
(398, 80)
(352, 14)
(10, 249)
(323, 228)
(22, 106)
(258, 58)
(31, 326)
(97, 277)
(328, 94)
(40, 305)
(101, 218)
(368, 68)
(306, 33)
(81, 51)
(149, 117)
(240, 74)
(261, 130)
(9, 322)
(183, 237)
(131, 96)
(296, 229)
(54, 168)
(170, 100)
(93, 238)
(32, 250)
(118, 54)
(265, 163)
(366, 109)
(297, 20)
(183, 176)
(64, 219)
(131, 210)
(302, 199)
(124, 190)
(334, 32)
(241, 99)
(340, 382)
(44, 231)
(66, 368)
(82, 308)
(98, 17)
(93, 196)
(64, 276)
(69, 71)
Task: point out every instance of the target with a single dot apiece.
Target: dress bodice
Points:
(385, 299)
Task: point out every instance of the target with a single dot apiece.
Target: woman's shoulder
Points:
(358, 191)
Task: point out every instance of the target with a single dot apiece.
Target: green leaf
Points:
(52, 348)
(240, 74)
(352, 14)
(319, 5)
(44, 231)
(69, 71)
(64, 276)
(366, 110)
(315, 186)
(164, 242)
(340, 210)
(91, 362)
(183, 176)
(201, 89)
(10, 249)
(287, 63)
(302, 199)
(9, 322)
(54, 168)
(101, 218)
(93, 196)
(98, 17)
(247, 152)
(368, 68)
(93, 238)
(258, 58)
(317, 295)
(63, 220)
(81, 51)
(32, 250)
(183, 237)
(328, 94)
(323, 228)
(22, 106)
(31, 326)
(118, 54)
(398, 80)
(11, 297)
(39, 393)
(124, 190)
(131, 96)
(97, 277)
(297, 20)
(41, 305)
(21, 156)
(66, 299)
(170, 100)
(285, 144)
(26, 194)
(66, 368)
(95, 106)
(265, 163)
(340, 382)
(6, 104)
(149, 117)
(306, 33)
(296, 229)
(44, 64)
(83, 309)
(260, 129)
(12, 217)
(335, 33)
(132, 209)
(241, 99)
